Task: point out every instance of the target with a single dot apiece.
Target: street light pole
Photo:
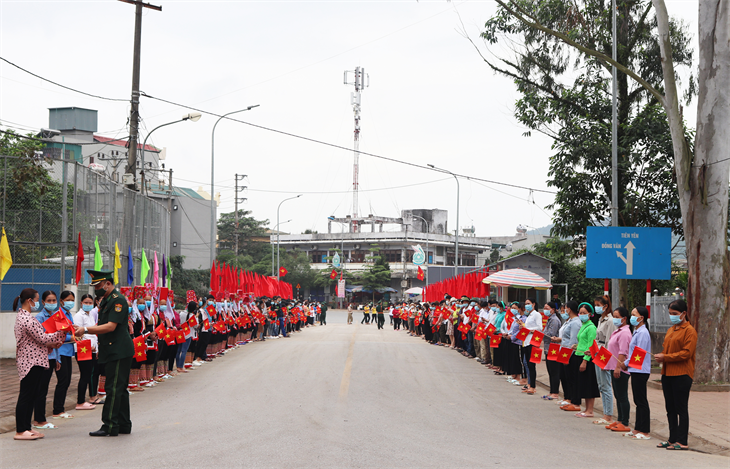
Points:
(276, 228)
(427, 233)
(212, 181)
(277, 233)
(456, 258)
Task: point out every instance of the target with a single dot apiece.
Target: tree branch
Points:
(601, 57)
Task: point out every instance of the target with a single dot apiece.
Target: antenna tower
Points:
(361, 81)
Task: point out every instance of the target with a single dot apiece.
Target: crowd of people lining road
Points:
(163, 342)
(590, 350)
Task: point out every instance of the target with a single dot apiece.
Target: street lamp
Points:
(277, 232)
(427, 233)
(212, 186)
(276, 228)
(456, 259)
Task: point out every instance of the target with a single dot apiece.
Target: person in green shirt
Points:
(587, 380)
(323, 314)
(381, 317)
(115, 351)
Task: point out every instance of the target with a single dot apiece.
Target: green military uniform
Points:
(115, 351)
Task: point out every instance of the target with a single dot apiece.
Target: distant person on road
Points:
(349, 313)
(381, 316)
(322, 314)
(366, 315)
(678, 366)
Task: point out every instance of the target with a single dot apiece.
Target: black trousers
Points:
(638, 389)
(676, 400)
(40, 398)
(323, 319)
(29, 389)
(365, 318)
(564, 381)
(381, 320)
(621, 393)
(86, 370)
(553, 369)
(115, 415)
(396, 324)
(571, 374)
(63, 381)
(203, 340)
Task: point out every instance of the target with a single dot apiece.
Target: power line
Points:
(58, 84)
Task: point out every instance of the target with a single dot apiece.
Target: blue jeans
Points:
(282, 326)
(181, 351)
(604, 385)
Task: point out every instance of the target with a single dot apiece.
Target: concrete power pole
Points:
(361, 81)
(236, 200)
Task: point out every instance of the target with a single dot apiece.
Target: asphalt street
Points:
(342, 396)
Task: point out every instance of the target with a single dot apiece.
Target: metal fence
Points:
(46, 206)
(659, 320)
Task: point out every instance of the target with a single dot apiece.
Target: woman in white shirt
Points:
(532, 323)
(86, 367)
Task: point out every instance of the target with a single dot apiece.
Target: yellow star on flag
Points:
(83, 349)
(603, 358)
(565, 355)
(139, 354)
(537, 355)
(552, 351)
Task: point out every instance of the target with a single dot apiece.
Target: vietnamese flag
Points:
(564, 355)
(593, 349)
(180, 337)
(170, 337)
(333, 274)
(523, 333)
(536, 355)
(210, 309)
(192, 322)
(160, 330)
(537, 338)
(602, 358)
(83, 350)
(185, 329)
(495, 340)
(637, 358)
(140, 355)
(283, 271)
(552, 353)
(206, 324)
(490, 330)
(421, 276)
(50, 326)
(139, 343)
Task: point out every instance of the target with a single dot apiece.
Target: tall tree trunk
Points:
(703, 184)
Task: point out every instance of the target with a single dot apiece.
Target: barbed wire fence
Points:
(44, 216)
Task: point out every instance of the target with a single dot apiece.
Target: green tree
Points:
(377, 275)
(252, 235)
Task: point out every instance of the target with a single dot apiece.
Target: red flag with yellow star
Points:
(83, 350)
(333, 274)
(537, 337)
(564, 355)
(421, 276)
(636, 360)
(552, 353)
(495, 340)
(602, 358)
(536, 355)
(282, 271)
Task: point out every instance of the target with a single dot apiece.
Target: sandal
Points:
(26, 435)
(602, 421)
(677, 447)
(664, 444)
(85, 406)
(641, 436)
(63, 415)
(583, 415)
(46, 426)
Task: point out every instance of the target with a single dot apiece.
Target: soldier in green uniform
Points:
(115, 350)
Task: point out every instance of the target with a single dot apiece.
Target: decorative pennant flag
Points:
(83, 350)
(490, 330)
(192, 321)
(98, 262)
(282, 271)
(169, 272)
(130, 267)
(333, 274)
(552, 353)
(602, 357)
(6, 260)
(495, 340)
(155, 272)
(564, 355)
(537, 338)
(637, 358)
(144, 268)
(117, 263)
(523, 333)
(593, 349)
(536, 355)
(421, 276)
(79, 259)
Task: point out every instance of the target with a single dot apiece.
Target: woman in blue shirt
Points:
(49, 305)
(65, 355)
(639, 377)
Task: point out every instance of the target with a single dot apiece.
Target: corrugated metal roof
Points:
(122, 143)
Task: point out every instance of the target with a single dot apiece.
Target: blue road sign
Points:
(629, 252)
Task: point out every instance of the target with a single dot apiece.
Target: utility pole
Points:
(236, 200)
(361, 81)
(129, 178)
(614, 154)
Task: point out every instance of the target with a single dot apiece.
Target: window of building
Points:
(391, 255)
(357, 256)
(318, 257)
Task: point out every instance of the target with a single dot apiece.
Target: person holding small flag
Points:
(567, 340)
(86, 367)
(553, 367)
(640, 370)
(587, 381)
(678, 366)
(604, 329)
(514, 352)
(618, 346)
(533, 323)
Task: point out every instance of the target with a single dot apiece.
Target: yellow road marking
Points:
(345, 383)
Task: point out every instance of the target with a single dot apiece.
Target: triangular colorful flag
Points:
(564, 355)
(6, 260)
(144, 268)
(83, 350)
(98, 261)
(636, 360)
(117, 263)
(130, 267)
(537, 338)
(552, 353)
(602, 358)
(536, 355)
(79, 259)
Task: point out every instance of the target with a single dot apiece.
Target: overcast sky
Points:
(431, 100)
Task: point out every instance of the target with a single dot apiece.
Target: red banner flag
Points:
(536, 355)
(50, 326)
(564, 355)
(83, 350)
(495, 340)
(79, 260)
(552, 353)
(180, 337)
(283, 271)
(421, 276)
(333, 274)
(593, 349)
(602, 357)
(206, 324)
(490, 330)
(637, 358)
(537, 337)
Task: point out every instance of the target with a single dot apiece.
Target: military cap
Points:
(98, 276)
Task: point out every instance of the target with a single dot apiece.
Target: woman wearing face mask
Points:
(604, 329)
(568, 339)
(499, 354)
(618, 346)
(54, 362)
(553, 367)
(86, 367)
(678, 366)
(514, 360)
(32, 344)
(136, 329)
(587, 381)
(639, 378)
(532, 323)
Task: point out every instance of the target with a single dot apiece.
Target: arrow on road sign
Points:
(629, 259)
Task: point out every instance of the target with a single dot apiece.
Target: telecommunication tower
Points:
(361, 81)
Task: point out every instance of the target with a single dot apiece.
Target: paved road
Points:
(343, 396)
